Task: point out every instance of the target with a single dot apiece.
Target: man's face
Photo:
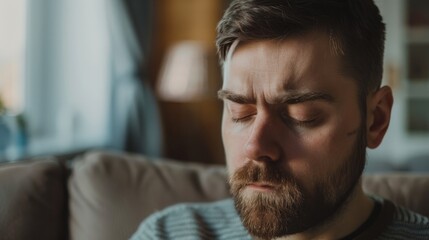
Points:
(292, 133)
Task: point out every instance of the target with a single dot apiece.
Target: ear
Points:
(379, 107)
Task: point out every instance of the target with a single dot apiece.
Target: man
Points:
(302, 101)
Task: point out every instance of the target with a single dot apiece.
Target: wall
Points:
(398, 145)
(192, 129)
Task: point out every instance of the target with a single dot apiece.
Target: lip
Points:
(261, 187)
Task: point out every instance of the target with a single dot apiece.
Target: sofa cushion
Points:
(111, 193)
(33, 199)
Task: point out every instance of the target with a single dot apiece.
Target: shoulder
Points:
(217, 220)
(407, 224)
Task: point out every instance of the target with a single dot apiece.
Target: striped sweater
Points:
(219, 220)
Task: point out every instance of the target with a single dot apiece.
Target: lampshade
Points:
(185, 73)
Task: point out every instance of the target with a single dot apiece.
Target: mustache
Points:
(261, 173)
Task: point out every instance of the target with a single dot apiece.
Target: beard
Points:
(289, 208)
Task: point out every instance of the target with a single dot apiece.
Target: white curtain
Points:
(135, 120)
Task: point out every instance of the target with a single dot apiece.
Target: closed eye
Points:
(240, 112)
(308, 122)
(242, 119)
(304, 123)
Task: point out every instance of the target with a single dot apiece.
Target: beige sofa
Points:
(105, 195)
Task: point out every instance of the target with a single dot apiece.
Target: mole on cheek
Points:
(352, 133)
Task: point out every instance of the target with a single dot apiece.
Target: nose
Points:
(263, 142)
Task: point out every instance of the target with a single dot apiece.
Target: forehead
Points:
(303, 61)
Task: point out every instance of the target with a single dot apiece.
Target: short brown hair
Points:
(355, 28)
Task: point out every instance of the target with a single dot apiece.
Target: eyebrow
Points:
(237, 98)
(292, 97)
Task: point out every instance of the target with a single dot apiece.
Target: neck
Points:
(354, 213)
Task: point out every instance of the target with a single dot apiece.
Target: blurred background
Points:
(142, 75)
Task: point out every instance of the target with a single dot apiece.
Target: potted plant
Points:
(5, 133)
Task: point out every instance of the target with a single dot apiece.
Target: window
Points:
(12, 52)
(54, 69)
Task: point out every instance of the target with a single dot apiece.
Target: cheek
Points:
(329, 147)
(321, 155)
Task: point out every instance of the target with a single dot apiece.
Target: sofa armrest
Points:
(33, 200)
